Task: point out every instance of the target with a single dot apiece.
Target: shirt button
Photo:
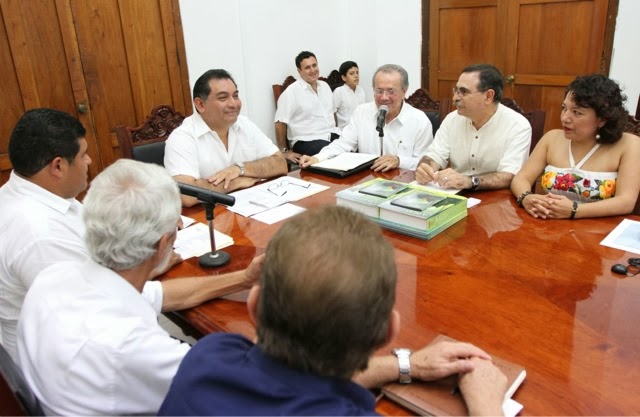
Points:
(476, 137)
(473, 169)
(473, 156)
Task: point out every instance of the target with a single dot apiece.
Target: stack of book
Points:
(405, 208)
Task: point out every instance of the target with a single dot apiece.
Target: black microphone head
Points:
(383, 109)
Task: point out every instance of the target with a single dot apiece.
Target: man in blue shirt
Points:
(324, 305)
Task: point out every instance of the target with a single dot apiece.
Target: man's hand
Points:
(292, 156)
(254, 270)
(483, 388)
(227, 175)
(425, 173)
(445, 358)
(307, 160)
(386, 163)
(448, 178)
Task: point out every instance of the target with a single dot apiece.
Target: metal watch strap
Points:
(241, 166)
(404, 364)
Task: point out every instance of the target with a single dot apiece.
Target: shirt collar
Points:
(201, 127)
(27, 188)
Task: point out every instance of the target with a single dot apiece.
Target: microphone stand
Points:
(215, 258)
(381, 135)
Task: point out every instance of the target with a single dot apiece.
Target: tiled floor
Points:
(174, 330)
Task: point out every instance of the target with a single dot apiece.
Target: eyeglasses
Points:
(391, 92)
(631, 270)
(274, 187)
(462, 92)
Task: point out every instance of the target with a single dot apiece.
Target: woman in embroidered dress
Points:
(590, 161)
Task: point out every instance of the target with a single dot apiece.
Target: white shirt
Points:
(37, 229)
(407, 136)
(500, 145)
(345, 101)
(90, 344)
(195, 150)
(308, 116)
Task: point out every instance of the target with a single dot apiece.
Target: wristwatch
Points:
(475, 181)
(404, 364)
(284, 150)
(241, 166)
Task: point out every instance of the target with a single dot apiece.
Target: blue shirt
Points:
(226, 374)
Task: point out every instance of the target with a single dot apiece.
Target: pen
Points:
(258, 204)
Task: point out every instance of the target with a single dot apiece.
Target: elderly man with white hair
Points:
(88, 341)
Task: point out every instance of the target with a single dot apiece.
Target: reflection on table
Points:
(536, 292)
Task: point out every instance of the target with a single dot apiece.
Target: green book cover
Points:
(383, 188)
(364, 203)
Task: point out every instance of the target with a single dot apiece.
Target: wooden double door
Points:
(107, 62)
(539, 45)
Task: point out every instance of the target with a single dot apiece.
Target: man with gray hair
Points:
(407, 131)
(88, 341)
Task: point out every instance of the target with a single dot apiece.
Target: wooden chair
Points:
(638, 109)
(536, 119)
(16, 397)
(435, 110)
(146, 142)
(633, 126)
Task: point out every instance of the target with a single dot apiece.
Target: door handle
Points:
(510, 79)
(82, 108)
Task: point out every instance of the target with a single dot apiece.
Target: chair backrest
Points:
(334, 80)
(435, 110)
(146, 142)
(16, 398)
(633, 126)
(536, 119)
(638, 109)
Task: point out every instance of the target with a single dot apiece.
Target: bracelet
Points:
(574, 210)
(520, 199)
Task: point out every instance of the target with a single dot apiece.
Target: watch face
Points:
(475, 181)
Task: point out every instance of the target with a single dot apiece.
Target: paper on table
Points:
(194, 241)
(269, 195)
(186, 221)
(279, 213)
(511, 407)
(346, 161)
(433, 186)
(472, 202)
(626, 236)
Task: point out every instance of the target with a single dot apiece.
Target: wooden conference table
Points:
(536, 292)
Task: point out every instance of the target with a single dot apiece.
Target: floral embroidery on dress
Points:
(593, 189)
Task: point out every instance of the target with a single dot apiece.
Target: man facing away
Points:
(323, 307)
(216, 147)
(483, 144)
(88, 341)
(41, 220)
(407, 131)
(305, 112)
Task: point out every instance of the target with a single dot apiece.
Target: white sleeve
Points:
(424, 137)
(181, 155)
(439, 150)
(347, 142)
(517, 149)
(286, 106)
(264, 146)
(153, 293)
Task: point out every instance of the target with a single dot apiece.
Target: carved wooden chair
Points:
(536, 118)
(633, 126)
(146, 142)
(16, 397)
(435, 110)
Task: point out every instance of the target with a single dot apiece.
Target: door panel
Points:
(543, 44)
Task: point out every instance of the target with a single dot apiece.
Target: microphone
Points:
(206, 196)
(209, 199)
(382, 115)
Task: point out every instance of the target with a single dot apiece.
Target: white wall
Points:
(257, 41)
(625, 64)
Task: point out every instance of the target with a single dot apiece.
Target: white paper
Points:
(472, 202)
(511, 407)
(279, 213)
(346, 161)
(186, 221)
(272, 194)
(194, 241)
(626, 236)
(433, 186)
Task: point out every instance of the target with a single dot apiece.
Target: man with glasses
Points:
(407, 131)
(305, 112)
(483, 144)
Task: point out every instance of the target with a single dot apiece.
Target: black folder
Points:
(336, 173)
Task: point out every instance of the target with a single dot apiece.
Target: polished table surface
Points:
(536, 292)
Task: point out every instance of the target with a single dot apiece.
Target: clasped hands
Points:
(446, 178)
(548, 206)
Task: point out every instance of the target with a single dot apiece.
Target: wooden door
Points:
(107, 62)
(539, 45)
